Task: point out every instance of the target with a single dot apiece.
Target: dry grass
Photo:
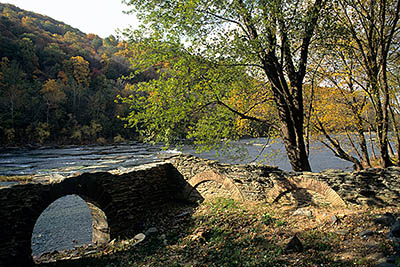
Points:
(17, 178)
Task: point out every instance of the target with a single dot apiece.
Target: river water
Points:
(67, 222)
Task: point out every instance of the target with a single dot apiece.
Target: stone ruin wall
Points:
(377, 187)
(119, 205)
(120, 202)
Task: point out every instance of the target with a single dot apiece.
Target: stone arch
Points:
(210, 175)
(283, 186)
(84, 186)
(122, 200)
(99, 224)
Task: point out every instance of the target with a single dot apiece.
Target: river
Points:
(67, 222)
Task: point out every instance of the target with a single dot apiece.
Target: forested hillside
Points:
(58, 84)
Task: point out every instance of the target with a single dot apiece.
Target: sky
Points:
(101, 17)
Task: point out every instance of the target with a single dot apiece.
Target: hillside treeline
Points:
(57, 84)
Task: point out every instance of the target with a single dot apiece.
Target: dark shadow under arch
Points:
(210, 175)
(284, 186)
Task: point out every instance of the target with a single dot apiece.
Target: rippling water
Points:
(67, 221)
(65, 161)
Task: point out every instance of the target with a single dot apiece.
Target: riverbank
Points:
(222, 232)
(16, 178)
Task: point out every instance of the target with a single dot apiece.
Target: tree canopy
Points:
(268, 41)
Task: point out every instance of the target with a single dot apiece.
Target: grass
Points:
(223, 232)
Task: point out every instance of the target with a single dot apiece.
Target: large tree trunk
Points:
(290, 110)
(295, 146)
(384, 142)
(289, 100)
(288, 96)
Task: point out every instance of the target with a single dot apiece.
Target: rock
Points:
(139, 238)
(342, 232)
(391, 259)
(366, 233)
(333, 220)
(373, 246)
(294, 245)
(381, 260)
(303, 212)
(375, 256)
(397, 248)
(151, 230)
(183, 214)
(386, 220)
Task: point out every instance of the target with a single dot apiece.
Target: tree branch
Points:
(337, 149)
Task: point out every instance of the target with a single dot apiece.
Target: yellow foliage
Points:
(338, 109)
(81, 71)
(252, 100)
(53, 92)
(91, 36)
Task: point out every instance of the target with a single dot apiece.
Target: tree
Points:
(80, 71)
(51, 58)
(269, 40)
(366, 46)
(11, 87)
(28, 55)
(53, 95)
(339, 114)
(77, 69)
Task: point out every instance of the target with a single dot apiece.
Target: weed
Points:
(222, 205)
(223, 232)
(316, 240)
(267, 219)
(280, 223)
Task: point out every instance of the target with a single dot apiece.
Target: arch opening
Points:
(310, 187)
(68, 222)
(218, 183)
(208, 189)
(302, 197)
